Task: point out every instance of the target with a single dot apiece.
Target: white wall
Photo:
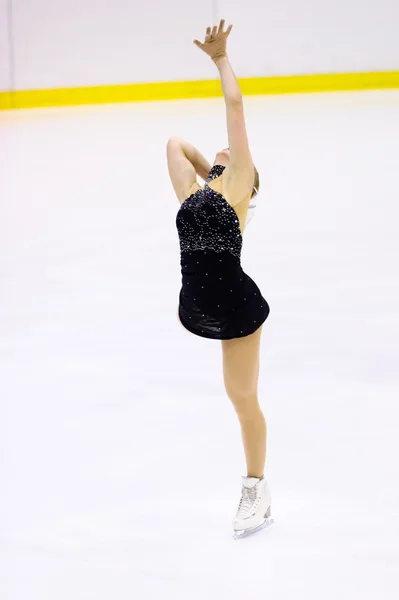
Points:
(281, 37)
(5, 75)
(87, 42)
(83, 42)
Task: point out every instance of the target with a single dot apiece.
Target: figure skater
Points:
(218, 300)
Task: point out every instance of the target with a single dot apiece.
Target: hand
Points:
(215, 41)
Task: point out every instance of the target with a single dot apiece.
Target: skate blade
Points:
(238, 535)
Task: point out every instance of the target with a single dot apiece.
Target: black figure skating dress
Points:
(217, 299)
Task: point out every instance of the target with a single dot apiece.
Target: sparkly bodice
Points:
(206, 221)
(217, 299)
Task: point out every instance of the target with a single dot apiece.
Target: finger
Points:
(198, 43)
(214, 30)
(230, 27)
(208, 31)
(221, 25)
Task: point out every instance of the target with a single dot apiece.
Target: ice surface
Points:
(120, 453)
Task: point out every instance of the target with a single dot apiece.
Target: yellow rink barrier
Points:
(174, 90)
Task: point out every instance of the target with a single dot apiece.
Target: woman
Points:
(217, 299)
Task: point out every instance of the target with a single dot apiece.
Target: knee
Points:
(246, 405)
(250, 414)
(241, 394)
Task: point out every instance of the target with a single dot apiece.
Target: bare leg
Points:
(241, 372)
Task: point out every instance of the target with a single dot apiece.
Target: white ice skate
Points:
(254, 510)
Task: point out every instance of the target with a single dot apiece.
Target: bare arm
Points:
(199, 162)
(240, 173)
(240, 156)
(230, 86)
(184, 163)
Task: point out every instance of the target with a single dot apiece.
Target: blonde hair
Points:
(256, 183)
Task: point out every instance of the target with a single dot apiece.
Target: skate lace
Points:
(249, 502)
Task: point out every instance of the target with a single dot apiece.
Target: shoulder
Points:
(237, 183)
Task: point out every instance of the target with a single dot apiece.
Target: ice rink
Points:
(120, 452)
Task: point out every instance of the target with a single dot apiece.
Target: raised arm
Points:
(240, 156)
(240, 172)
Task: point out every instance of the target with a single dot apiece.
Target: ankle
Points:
(255, 474)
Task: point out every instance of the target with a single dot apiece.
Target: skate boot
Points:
(254, 510)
